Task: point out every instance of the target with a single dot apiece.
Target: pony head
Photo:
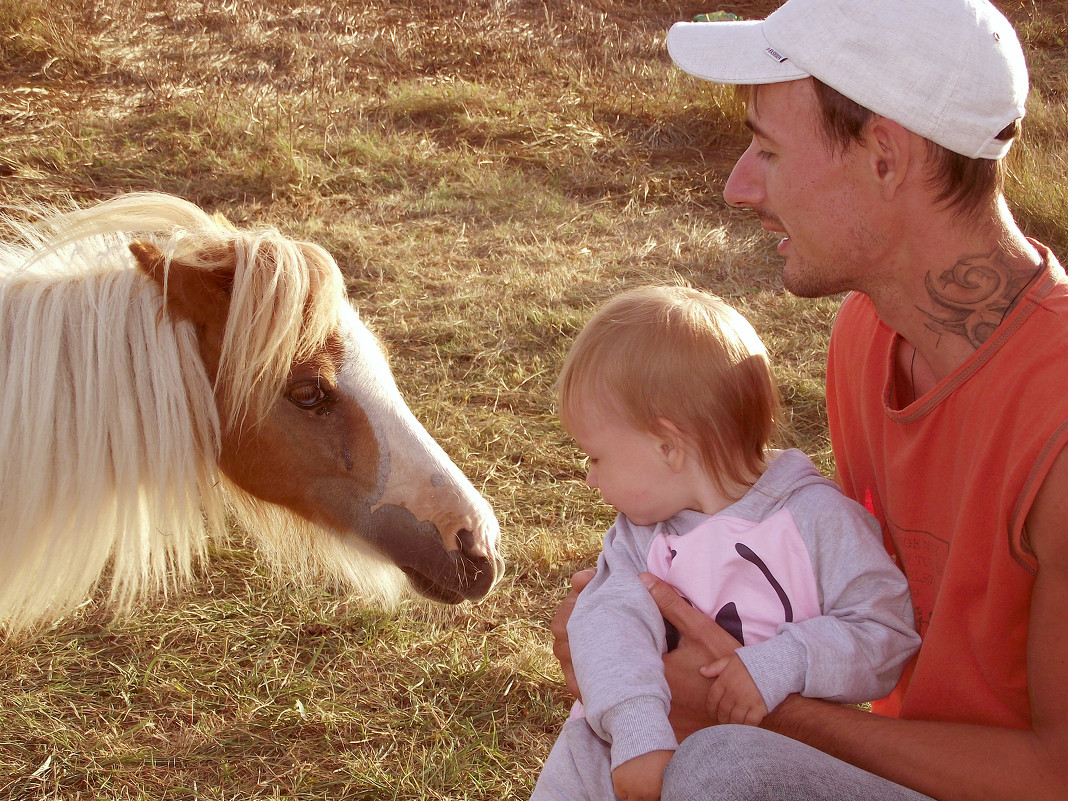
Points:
(256, 358)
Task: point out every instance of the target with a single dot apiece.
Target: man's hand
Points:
(558, 627)
(734, 697)
(701, 642)
(641, 778)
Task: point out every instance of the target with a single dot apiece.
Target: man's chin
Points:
(799, 282)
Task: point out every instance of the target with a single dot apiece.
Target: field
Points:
(485, 172)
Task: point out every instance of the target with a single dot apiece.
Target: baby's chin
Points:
(640, 519)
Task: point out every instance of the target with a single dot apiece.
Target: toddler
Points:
(670, 394)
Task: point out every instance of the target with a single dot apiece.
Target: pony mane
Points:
(284, 297)
(109, 428)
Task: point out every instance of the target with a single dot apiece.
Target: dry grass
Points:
(485, 171)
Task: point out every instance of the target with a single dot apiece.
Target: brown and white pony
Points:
(160, 368)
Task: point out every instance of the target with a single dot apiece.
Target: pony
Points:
(163, 375)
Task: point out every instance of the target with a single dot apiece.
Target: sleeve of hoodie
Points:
(856, 650)
(617, 639)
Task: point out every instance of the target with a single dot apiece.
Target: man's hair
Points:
(674, 353)
(963, 184)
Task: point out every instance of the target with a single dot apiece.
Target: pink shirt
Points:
(750, 577)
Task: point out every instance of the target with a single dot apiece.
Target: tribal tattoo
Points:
(974, 295)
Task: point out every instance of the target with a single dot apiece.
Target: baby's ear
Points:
(675, 445)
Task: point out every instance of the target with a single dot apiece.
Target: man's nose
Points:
(744, 187)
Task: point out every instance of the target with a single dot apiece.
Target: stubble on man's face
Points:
(810, 194)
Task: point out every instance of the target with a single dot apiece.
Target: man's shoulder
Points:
(1042, 328)
(1049, 289)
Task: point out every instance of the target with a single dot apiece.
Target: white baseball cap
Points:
(952, 71)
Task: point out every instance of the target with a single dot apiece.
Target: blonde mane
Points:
(109, 430)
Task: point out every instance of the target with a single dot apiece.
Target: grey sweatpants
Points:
(720, 763)
(579, 767)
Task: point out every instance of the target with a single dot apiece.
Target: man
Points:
(878, 132)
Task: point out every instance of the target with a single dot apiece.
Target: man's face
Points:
(800, 186)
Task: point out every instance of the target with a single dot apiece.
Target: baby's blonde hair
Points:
(674, 353)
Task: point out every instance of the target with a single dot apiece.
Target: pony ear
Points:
(199, 295)
(222, 222)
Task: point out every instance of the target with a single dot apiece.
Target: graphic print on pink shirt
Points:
(749, 577)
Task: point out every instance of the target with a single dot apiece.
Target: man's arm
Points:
(952, 761)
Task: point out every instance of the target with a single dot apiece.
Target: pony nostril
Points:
(476, 571)
(472, 548)
(466, 537)
(474, 561)
(451, 542)
(456, 534)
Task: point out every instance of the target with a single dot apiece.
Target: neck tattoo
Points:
(971, 298)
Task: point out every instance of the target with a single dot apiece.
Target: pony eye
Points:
(307, 395)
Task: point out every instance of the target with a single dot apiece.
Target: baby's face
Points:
(628, 466)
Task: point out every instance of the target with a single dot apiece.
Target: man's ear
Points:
(890, 154)
(675, 446)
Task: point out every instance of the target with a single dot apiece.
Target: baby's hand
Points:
(639, 779)
(733, 697)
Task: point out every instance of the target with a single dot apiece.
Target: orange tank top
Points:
(951, 477)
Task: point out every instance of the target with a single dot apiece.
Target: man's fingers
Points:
(691, 623)
(673, 607)
(582, 578)
(558, 625)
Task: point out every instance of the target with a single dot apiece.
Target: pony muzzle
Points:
(448, 567)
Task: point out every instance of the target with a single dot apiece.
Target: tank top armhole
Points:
(1018, 545)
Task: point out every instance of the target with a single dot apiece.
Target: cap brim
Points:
(729, 52)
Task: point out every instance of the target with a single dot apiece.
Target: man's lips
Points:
(776, 229)
(773, 225)
(769, 222)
